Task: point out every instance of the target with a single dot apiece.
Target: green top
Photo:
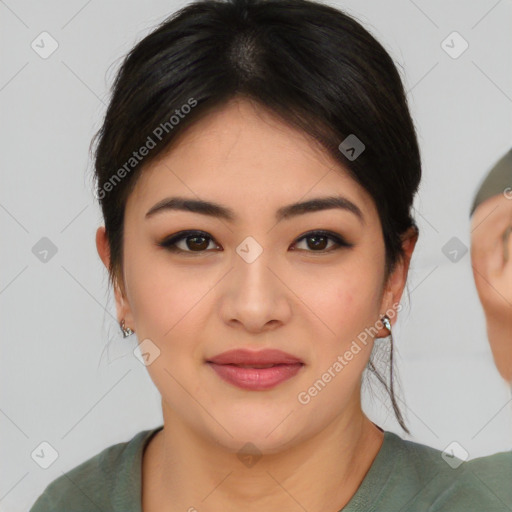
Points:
(404, 476)
(494, 472)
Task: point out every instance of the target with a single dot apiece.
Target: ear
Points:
(396, 281)
(122, 306)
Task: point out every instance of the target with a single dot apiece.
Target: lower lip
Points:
(256, 379)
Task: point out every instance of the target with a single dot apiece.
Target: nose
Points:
(255, 295)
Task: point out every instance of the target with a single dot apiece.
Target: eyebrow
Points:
(286, 212)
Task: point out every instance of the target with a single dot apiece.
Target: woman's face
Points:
(254, 281)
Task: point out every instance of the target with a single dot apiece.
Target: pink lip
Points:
(244, 356)
(285, 367)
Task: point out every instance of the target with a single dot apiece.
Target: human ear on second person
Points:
(491, 257)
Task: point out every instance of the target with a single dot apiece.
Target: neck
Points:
(184, 471)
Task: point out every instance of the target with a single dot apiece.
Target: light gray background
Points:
(68, 378)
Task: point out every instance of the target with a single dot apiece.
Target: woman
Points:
(256, 170)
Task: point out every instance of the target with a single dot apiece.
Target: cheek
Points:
(347, 301)
(163, 297)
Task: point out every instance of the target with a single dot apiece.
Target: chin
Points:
(267, 432)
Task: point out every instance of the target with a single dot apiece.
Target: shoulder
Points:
(422, 469)
(413, 476)
(102, 482)
(494, 474)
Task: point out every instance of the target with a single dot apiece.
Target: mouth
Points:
(256, 371)
(254, 365)
(250, 358)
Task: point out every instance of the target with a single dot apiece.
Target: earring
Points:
(126, 330)
(391, 386)
(387, 325)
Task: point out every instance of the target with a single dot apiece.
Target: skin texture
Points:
(492, 271)
(308, 301)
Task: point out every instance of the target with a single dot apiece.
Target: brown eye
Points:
(199, 243)
(191, 241)
(317, 241)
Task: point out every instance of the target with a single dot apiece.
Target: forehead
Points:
(245, 156)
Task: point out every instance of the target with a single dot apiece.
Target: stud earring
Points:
(126, 330)
(387, 325)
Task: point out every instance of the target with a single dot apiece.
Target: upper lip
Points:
(248, 357)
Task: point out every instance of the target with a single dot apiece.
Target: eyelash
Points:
(169, 243)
